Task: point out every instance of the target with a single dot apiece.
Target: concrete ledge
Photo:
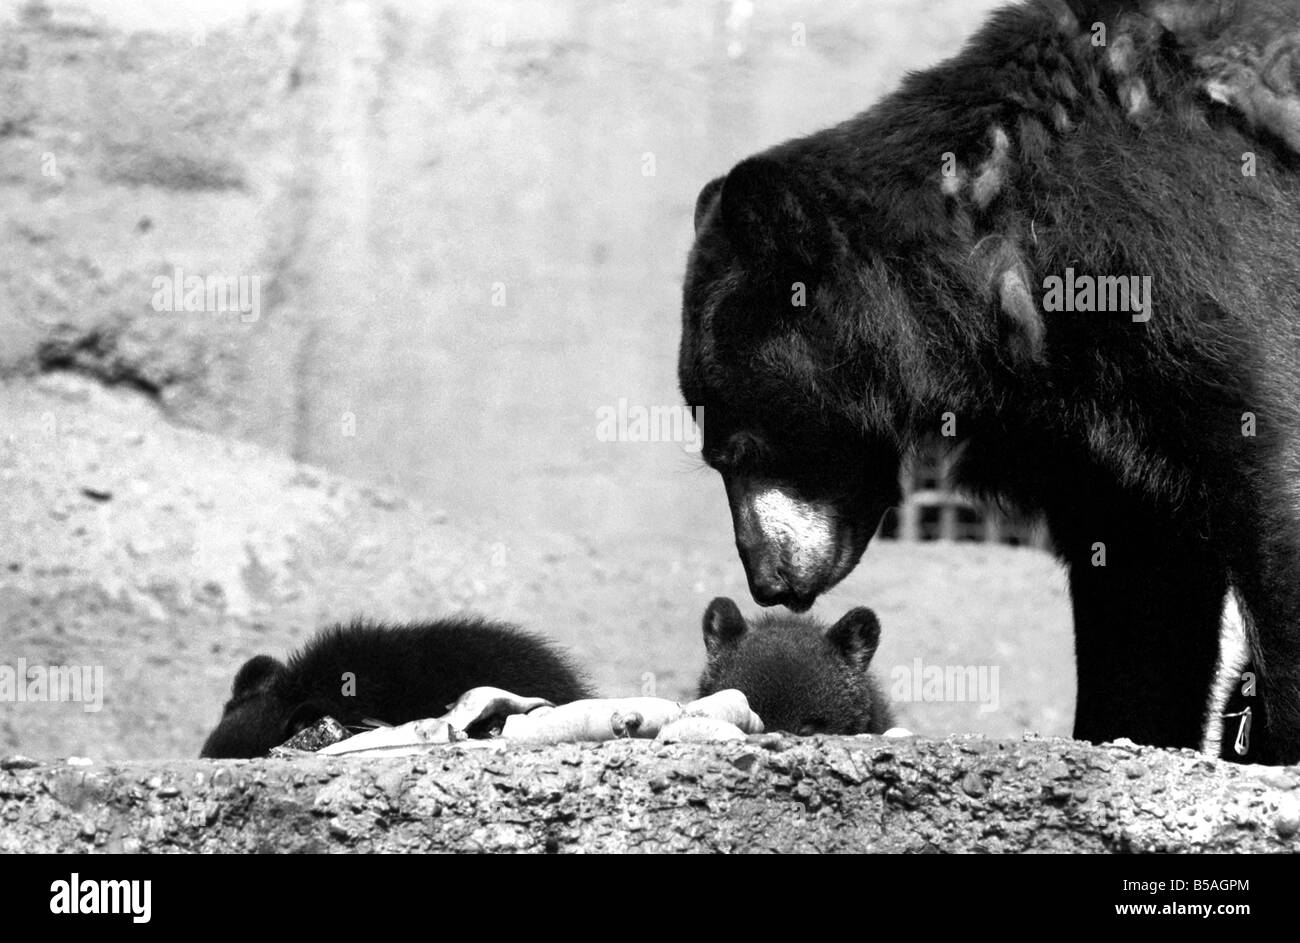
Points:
(766, 794)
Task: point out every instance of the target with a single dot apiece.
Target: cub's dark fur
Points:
(797, 675)
(402, 673)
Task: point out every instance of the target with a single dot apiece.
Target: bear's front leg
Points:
(1147, 607)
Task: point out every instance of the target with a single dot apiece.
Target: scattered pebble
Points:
(1056, 769)
(1287, 822)
(1277, 777)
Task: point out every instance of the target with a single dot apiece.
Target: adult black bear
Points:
(364, 671)
(1086, 258)
(797, 675)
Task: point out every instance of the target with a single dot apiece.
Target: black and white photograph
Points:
(650, 426)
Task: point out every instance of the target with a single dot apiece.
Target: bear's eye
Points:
(742, 452)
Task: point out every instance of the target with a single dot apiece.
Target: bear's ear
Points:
(723, 625)
(708, 196)
(772, 217)
(257, 673)
(856, 636)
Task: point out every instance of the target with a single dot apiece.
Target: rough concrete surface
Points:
(765, 794)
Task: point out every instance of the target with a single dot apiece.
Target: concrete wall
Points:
(384, 168)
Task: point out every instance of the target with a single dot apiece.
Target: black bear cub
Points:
(369, 671)
(798, 676)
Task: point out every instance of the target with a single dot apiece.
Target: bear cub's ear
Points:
(856, 636)
(258, 673)
(723, 625)
(772, 216)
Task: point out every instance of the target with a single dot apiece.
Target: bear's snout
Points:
(792, 549)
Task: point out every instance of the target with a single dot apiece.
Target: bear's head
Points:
(842, 295)
(797, 676)
(258, 716)
(769, 356)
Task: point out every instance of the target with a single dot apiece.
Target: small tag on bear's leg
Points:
(1242, 743)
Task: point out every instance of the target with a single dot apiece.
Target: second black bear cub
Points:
(394, 674)
(797, 676)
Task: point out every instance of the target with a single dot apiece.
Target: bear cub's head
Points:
(258, 717)
(798, 676)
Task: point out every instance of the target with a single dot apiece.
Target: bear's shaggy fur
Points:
(854, 291)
